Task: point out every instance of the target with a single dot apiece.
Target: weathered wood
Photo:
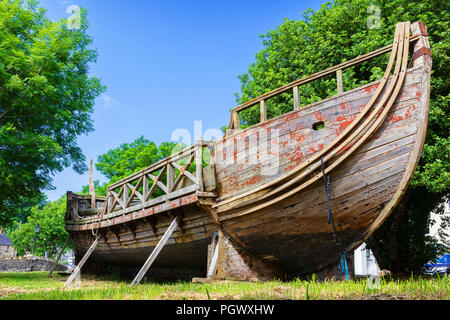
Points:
(82, 262)
(296, 98)
(400, 34)
(213, 265)
(340, 87)
(199, 163)
(91, 186)
(59, 256)
(262, 111)
(318, 75)
(236, 121)
(155, 252)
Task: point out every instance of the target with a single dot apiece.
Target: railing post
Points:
(340, 88)
(262, 110)
(110, 200)
(145, 186)
(296, 98)
(236, 121)
(170, 177)
(199, 162)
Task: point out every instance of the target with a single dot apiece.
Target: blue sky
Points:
(167, 64)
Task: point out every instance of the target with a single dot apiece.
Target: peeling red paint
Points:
(344, 122)
(291, 116)
(410, 110)
(253, 180)
(370, 89)
(318, 116)
(396, 118)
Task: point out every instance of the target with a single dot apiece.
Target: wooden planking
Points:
(310, 210)
(201, 228)
(386, 102)
(304, 120)
(340, 187)
(301, 136)
(317, 75)
(413, 77)
(247, 172)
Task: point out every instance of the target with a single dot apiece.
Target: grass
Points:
(37, 286)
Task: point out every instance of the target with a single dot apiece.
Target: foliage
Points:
(52, 233)
(128, 158)
(46, 100)
(338, 32)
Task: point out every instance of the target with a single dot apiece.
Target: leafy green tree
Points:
(127, 159)
(52, 234)
(46, 100)
(338, 32)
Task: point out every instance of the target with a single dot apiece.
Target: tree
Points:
(52, 233)
(46, 100)
(127, 159)
(338, 32)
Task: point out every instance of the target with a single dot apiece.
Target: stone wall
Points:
(23, 264)
(7, 251)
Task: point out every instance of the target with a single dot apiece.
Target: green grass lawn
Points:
(37, 285)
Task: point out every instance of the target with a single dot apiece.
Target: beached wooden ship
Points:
(261, 206)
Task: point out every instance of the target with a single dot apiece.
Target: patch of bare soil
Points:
(385, 296)
(8, 291)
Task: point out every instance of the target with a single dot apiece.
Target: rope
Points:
(343, 266)
(343, 262)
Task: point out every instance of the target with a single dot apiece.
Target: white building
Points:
(364, 262)
(440, 228)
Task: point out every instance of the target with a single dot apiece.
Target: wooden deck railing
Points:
(294, 86)
(167, 179)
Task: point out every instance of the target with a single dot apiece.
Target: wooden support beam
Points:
(151, 223)
(59, 256)
(340, 88)
(82, 262)
(262, 111)
(213, 265)
(116, 234)
(132, 228)
(296, 98)
(156, 251)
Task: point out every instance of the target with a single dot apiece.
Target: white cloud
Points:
(109, 101)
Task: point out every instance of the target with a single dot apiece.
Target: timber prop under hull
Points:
(275, 208)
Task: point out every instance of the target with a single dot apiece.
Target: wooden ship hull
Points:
(259, 209)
